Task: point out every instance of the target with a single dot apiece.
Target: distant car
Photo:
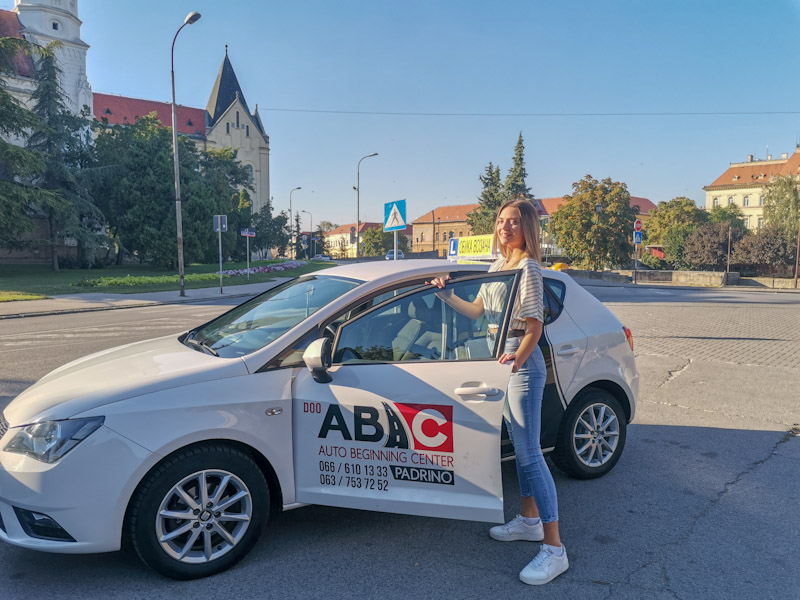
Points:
(354, 387)
(390, 255)
(320, 257)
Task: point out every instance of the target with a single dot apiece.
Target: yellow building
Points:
(744, 184)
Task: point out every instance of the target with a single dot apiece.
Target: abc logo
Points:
(431, 425)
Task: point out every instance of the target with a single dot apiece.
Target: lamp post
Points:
(311, 226)
(358, 202)
(291, 220)
(190, 19)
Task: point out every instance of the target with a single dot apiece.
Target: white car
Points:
(352, 387)
(322, 257)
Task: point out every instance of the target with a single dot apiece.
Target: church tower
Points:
(45, 21)
(229, 123)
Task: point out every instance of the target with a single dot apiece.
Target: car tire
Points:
(185, 533)
(591, 436)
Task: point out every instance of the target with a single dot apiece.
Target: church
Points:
(225, 122)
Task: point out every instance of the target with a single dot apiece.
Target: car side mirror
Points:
(318, 359)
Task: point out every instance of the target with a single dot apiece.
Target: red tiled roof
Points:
(346, 227)
(447, 213)
(11, 27)
(551, 205)
(121, 110)
(757, 172)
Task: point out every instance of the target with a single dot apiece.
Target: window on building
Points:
(746, 223)
(237, 119)
(460, 234)
(228, 128)
(730, 200)
(247, 130)
(249, 170)
(422, 237)
(107, 111)
(715, 202)
(55, 26)
(189, 123)
(761, 200)
(746, 201)
(452, 234)
(760, 222)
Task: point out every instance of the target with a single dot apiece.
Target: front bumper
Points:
(86, 492)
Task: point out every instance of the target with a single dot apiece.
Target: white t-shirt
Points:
(529, 303)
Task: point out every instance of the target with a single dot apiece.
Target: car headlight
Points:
(48, 441)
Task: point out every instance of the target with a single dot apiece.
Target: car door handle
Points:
(477, 391)
(568, 351)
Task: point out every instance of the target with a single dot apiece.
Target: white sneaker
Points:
(517, 529)
(545, 567)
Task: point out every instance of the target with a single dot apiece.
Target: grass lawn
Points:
(32, 282)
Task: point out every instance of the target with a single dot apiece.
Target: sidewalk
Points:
(73, 303)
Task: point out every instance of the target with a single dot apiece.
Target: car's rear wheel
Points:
(591, 436)
(199, 511)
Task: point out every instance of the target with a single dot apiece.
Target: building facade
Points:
(341, 242)
(745, 185)
(226, 121)
(431, 231)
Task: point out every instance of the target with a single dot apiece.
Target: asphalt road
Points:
(703, 503)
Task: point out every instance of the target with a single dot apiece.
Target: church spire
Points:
(225, 91)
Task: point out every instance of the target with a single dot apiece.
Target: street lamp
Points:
(291, 219)
(311, 218)
(599, 210)
(190, 19)
(358, 201)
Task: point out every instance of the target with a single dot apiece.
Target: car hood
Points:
(117, 374)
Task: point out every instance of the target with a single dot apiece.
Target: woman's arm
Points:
(473, 310)
(533, 331)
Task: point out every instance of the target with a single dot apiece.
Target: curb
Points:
(69, 311)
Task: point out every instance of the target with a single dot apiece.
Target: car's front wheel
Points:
(591, 436)
(199, 511)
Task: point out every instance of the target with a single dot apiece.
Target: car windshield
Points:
(265, 318)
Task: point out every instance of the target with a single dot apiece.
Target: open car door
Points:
(410, 420)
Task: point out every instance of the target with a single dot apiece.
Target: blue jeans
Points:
(524, 423)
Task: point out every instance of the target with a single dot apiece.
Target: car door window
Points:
(554, 292)
(419, 326)
(293, 355)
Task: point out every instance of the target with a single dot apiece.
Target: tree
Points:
(372, 239)
(592, 238)
(515, 186)
(680, 211)
(673, 241)
(766, 250)
(298, 240)
(320, 244)
(64, 140)
(19, 166)
(482, 219)
(782, 205)
(707, 246)
(270, 230)
(730, 215)
(327, 226)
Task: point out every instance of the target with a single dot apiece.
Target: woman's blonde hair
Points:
(530, 227)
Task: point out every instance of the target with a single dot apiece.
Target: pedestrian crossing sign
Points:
(394, 215)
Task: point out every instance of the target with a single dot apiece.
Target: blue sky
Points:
(571, 60)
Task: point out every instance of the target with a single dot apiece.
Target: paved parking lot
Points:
(703, 503)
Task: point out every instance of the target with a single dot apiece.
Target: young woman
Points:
(517, 231)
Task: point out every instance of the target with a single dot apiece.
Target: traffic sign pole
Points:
(395, 245)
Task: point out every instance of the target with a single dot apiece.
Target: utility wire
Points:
(576, 114)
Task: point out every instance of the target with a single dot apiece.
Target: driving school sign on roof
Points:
(471, 248)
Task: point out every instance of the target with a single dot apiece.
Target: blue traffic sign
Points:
(637, 237)
(453, 249)
(394, 215)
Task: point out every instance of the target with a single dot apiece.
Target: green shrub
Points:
(653, 262)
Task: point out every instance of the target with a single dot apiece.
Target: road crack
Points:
(675, 373)
(660, 561)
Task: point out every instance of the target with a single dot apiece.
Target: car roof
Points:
(381, 269)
